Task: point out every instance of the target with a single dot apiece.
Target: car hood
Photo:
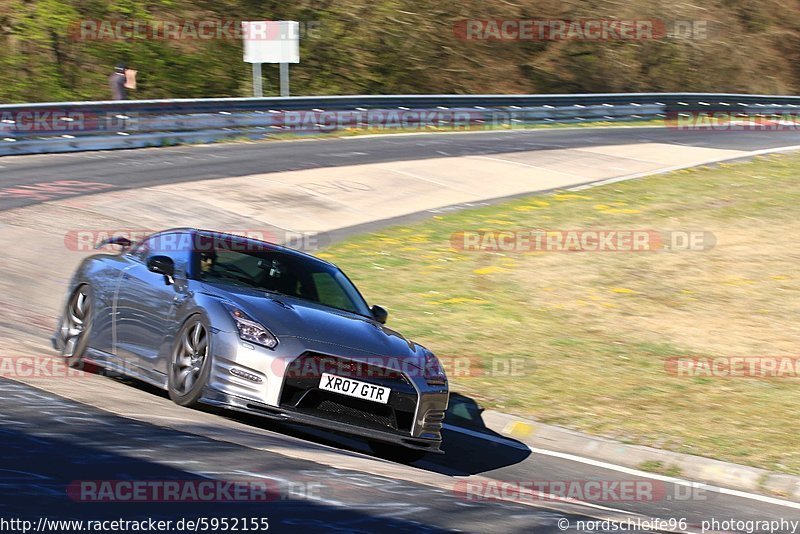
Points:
(288, 316)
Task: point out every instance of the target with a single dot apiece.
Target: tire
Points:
(396, 453)
(76, 325)
(190, 362)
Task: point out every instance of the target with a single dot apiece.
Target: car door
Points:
(147, 302)
(106, 279)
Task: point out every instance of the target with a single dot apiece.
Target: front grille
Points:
(341, 408)
(301, 392)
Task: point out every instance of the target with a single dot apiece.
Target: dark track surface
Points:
(52, 444)
(131, 169)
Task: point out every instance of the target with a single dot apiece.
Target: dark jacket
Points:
(117, 82)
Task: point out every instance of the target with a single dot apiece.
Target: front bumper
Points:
(290, 415)
(274, 383)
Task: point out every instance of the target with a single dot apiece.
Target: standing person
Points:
(117, 82)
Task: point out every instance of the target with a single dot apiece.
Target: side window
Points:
(175, 245)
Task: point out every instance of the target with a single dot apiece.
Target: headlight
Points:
(434, 374)
(250, 330)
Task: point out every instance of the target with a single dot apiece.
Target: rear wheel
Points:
(396, 453)
(191, 363)
(76, 325)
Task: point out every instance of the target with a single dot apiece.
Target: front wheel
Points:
(76, 325)
(190, 362)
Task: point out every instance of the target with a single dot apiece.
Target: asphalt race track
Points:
(105, 428)
(132, 169)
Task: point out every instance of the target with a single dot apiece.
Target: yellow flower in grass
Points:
(623, 290)
(568, 196)
(489, 270)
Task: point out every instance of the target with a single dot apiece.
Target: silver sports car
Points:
(251, 326)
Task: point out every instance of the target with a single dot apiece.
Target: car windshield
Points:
(275, 271)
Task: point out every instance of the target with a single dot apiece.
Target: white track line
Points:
(741, 155)
(663, 478)
(626, 470)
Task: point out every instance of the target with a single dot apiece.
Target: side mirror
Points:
(161, 265)
(379, 314)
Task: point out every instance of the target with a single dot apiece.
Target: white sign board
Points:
(271, 41)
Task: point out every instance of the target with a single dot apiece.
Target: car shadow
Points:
(469, 446)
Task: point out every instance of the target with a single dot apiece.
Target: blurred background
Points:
(395, 46)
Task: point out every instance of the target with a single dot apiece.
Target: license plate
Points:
(354, 388)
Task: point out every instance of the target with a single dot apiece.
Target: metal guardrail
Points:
(76, 126)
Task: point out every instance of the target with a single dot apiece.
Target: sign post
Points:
(271, 42)
(284, 79)
(257, 88)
